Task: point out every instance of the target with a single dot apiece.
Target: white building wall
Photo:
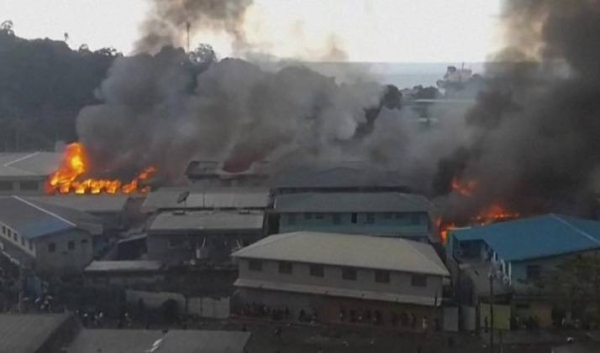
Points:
(399, 282)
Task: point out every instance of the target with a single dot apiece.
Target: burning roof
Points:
(73, 176)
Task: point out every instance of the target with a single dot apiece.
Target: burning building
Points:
(73, 176)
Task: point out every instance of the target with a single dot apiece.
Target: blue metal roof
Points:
(536, 237)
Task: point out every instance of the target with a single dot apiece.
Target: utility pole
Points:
(491, 276)
(188, 25)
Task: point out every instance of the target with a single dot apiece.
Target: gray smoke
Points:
(536, 146)
(156, 111)
(168, 22)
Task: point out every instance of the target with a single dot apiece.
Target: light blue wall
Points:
(385, 224)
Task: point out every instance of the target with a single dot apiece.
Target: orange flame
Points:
(75, 163)
(494, 213)
(463, 188)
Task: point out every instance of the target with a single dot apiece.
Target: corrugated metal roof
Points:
(236, 198)
(204, 220)
(536, 237)
(135, 265)
(173, 341)
(86, 203)
(35, 164)
(348, 250)
(33, 219)
(336, 292)
(27, 333)
(351, 202)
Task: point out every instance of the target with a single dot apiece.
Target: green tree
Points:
(574, 286)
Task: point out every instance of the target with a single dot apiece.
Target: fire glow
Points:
(495, 212)
(70, 177)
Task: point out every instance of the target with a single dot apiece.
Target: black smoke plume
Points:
(536, 146)
(170, 20)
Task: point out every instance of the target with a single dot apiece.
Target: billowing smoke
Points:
(536, 145)
(170, 20)
(165, 110)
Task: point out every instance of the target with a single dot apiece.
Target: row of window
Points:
(415, 218)
(348, 273)
(23, 185)
(10, 234)
(70, 245)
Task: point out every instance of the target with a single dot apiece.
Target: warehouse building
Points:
(338, 278)
(47, 238)
(389, 214)
(180, 236)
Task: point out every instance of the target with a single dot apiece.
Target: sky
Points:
(367, 30)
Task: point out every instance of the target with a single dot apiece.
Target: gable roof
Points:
(35, 164)
(27, 333)
(33, 219)
(348, 250)
(536, 237)
(351, 202)
(104, 203)
(172, 341)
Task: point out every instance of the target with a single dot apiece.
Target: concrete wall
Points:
(390, 224)
(399, 282)
(123, 279)
(63, 259)
(162, 246)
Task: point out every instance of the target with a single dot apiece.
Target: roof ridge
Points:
(21, 159)
(577, 229)
(410, 243)
(29, 203)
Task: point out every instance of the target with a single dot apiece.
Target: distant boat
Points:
(455, 78)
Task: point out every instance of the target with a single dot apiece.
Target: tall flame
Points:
(75, 164)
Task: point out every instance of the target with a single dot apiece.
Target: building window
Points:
(9, 232)
(319, 216)
(398, 215)
(387, 215)
(308, 215)
(22, 241)
(349, 274)
(84, 241)
(29, 185)
(291, 219)
(370, 218)
(16, 237)
(354, 218)
(533, 272)
(30, 246)
(285, 267)
(71, 245)
(317, 271)
(418, 280)
(3, 229)
(415, 219)
(255, 265)
(6, 185)
(382, 276)
(337, 218)
(51, 247)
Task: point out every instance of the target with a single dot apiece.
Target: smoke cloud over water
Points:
(536, 146)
